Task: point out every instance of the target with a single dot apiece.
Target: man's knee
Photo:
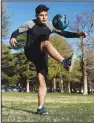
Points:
(41, 80)
(44, 44)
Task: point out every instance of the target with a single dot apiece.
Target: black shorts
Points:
(39, 58)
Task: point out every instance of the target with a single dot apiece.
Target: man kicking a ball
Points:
(38, 46)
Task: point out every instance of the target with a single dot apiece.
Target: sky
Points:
(24, 11)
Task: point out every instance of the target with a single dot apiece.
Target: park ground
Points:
(22, 106)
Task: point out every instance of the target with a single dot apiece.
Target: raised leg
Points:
(46, 46)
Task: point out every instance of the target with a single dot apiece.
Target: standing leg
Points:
(42, 89)
(42, 70)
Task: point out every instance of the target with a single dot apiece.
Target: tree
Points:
(90, 67)
(5, 21)
(6, 56)
(84, 21)
(5, 61)
(23, 69)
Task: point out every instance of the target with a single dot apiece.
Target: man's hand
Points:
(83, 34)
(13, 42)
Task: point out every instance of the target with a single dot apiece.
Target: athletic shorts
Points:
(39, 58)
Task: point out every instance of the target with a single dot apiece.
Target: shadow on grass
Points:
(20, 110)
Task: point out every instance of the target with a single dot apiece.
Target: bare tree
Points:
(85, 21)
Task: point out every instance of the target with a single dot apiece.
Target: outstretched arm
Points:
(24, 28)
(17, 32)
(68, 34)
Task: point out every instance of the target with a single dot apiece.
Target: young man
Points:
(38, 46)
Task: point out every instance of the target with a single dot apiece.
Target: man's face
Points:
(42, 17)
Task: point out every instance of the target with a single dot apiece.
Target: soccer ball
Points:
(60, 22)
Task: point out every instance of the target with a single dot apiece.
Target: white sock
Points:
(40, 106)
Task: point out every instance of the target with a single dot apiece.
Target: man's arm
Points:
(24, 28)
(66, 34)
(15, 34)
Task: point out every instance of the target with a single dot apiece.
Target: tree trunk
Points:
(27, 87)
(61, 82)
(84, 68)
(85, 85)
(80, 88)
(91, 88)
(69, 89)
(51, 86)
(54, 84)
(61, 86)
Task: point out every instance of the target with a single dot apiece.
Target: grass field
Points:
(21, 107)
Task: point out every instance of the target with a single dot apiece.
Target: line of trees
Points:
(16, 69)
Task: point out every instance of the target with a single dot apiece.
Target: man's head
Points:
(42, 13)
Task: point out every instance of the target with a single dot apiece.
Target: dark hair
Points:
(41, 8)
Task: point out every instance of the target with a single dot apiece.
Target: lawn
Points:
(21, 107)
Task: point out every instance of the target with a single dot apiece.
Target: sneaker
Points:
(42, 111)
(69, 62)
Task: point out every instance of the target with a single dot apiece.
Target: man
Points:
(38, 46)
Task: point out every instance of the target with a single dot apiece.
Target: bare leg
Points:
(46, 46)
(42, 89)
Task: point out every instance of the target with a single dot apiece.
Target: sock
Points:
(40, 106)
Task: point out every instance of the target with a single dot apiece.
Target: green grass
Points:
(21, 107)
